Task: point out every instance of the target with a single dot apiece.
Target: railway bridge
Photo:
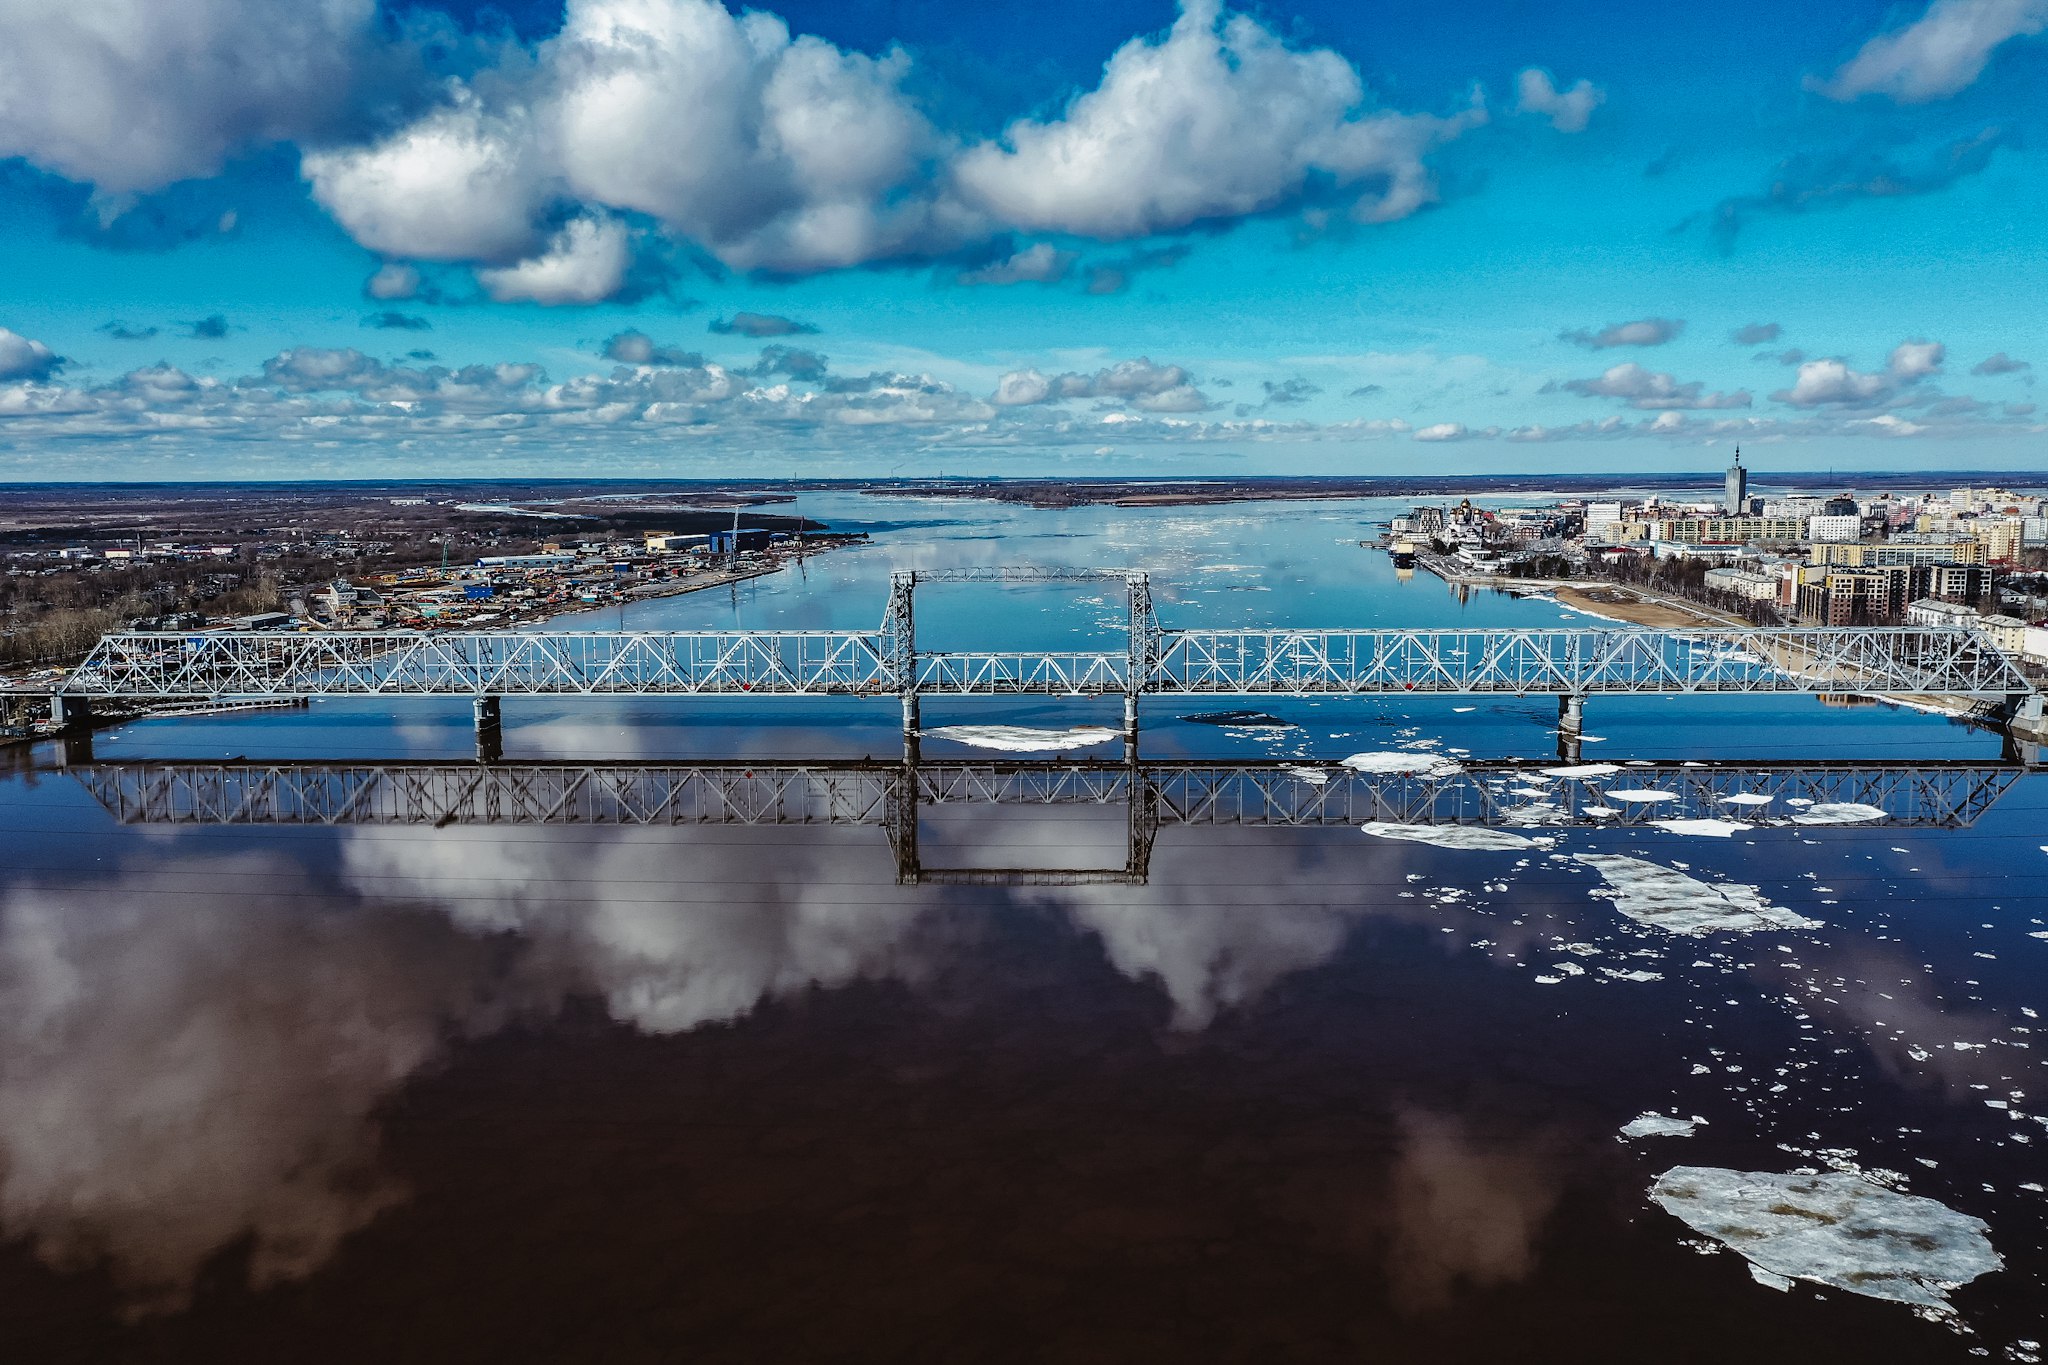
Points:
(1151, 659)
(1143, 797)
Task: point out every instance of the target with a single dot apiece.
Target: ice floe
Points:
(1711, 828)
(1023, 739)
(1660, 1125)
(1402, 764)
(1669, 900)
(1315, 777)
(1454, 836)
(1240, 720)
(1746, 799)
(1640, 795)
(1834, 1229)
(1839, 813)
(1583, 770)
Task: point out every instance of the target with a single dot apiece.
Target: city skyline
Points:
(665, 238)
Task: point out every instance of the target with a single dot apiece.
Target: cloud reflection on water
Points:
(180, 1071)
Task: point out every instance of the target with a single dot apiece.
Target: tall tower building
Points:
(1736, 501)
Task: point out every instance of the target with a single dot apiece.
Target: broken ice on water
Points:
(1709, 828)
(1454, 836)
(1023, 739)
(1663, 898)
(1660, 1125)
(1409, 764)
(1835, 1229)
(1839, 813)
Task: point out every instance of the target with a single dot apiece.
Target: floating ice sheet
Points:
(1402, 764)
(1711, 828)
(1669, 900)
(1746, 799)
(1640, 795)
(1834, 1229)
(1454, 836)
(1583, 770)
(1660, 1125)
(1839, 813)
(1241, 720)
(1023, 739)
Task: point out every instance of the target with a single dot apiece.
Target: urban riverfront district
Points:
(1356, 1026)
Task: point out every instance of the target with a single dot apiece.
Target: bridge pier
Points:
(490, 734)
(1571, 728)
(2026, 730)
(1130, 723)
(73, 718)
(913, 728)
(71, 713)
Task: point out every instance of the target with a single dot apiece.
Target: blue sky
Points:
(624, 237)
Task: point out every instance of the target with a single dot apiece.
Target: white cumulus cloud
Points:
(1937, 55)
(1139, 383)
(774, 152)
(130, 95)
(1217, 119)
(1917, 359)
(1832, 382)
(1568, 110)
(24, 358)
(585, 262)
(1041, 263)
(460, 184)
(1644, 388)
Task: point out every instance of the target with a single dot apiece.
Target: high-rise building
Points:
(1736, 501)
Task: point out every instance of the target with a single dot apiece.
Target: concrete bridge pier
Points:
(1130, 723)
(71, 713)
(913, 727)
(490, 734)
(73, 718)
(1571, 728)
(2026, 730)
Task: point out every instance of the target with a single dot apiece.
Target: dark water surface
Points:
(530, 1091)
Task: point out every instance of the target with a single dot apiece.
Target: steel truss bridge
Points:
(1150, 660)
(1148, 796)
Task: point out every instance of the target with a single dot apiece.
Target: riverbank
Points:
(20, 690)
(1638, 608)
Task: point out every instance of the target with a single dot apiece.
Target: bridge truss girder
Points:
(892, 796)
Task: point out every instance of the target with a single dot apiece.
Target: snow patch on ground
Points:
(1022, 739)
(1833, 1229)
(1454, 836)
(1660, 1125)
(1669, 900)
(1402, 764)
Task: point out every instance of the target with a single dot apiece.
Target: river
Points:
(1083, 1080)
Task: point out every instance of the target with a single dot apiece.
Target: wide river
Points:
(320, 1042)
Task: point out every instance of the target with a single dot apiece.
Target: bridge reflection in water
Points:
(894, 795)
